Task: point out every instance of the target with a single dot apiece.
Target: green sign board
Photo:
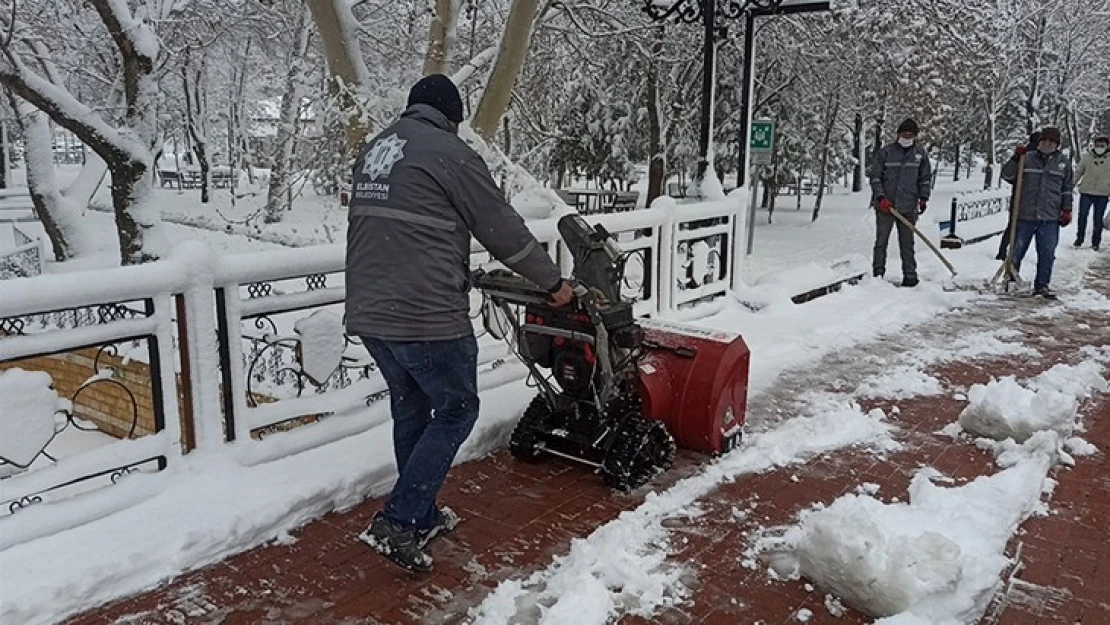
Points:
(763, 135)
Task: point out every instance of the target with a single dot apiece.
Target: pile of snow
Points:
(1004, 409)
(938, 557)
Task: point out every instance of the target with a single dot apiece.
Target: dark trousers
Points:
(884, 224)
(433, 394)
(1086, 202)
(1047, 234)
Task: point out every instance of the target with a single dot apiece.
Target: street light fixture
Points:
(708, 11)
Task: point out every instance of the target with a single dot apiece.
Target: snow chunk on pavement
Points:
(1005, 409)
(937, 558)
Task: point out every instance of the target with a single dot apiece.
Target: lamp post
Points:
(709, 12)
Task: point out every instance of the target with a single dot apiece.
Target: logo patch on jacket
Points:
(1061, 165)
(383, 156)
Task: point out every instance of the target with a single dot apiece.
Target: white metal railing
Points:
(148, 291)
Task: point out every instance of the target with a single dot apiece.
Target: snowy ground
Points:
(208, 507)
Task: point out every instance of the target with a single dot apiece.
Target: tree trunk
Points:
(60, 216)
(441, 37)
(1033, 100)
(276, 194)
(515, 40)
(833, 111)
(992, 146)
(956, 174)
(857, 152)
(129, 154)
(657, 165)
(196, 116)
(348, 71)
(236, 135)
(5, 156)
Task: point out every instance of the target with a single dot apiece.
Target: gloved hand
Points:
(921, 206)
(1020, 150)
(1065, 218)
(561, 294)
(884, 205)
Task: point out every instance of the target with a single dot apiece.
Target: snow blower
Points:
(621, 392)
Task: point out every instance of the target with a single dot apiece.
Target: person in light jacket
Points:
(901, 180)
(1093, 178)
(1044, 204)
(419, 194)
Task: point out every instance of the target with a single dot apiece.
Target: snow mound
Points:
(885, 563)
(1004, 409)
(936, 559)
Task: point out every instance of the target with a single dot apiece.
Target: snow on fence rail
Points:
(254, 343)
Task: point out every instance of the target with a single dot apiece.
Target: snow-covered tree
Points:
(38, 68)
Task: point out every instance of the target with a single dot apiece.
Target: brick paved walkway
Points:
(517, 516)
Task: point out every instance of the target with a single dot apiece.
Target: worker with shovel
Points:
(1044, 202)
(901, 180)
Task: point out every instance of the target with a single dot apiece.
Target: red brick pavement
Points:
(517, 516)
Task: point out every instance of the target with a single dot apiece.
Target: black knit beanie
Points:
(908, 126)
(441, 94)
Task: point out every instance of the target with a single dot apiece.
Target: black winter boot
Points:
(396, 543)
(446, 520)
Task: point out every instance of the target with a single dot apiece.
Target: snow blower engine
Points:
(621, 391)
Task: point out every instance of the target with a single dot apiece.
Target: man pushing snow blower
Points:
(621, 391)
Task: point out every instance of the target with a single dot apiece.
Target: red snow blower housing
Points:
(621, 391)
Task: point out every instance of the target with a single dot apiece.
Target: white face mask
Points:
(905, 142)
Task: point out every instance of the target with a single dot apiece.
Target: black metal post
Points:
(157, 396)
(690, 11)
(746, 95)
(709, 13)
(224, 337)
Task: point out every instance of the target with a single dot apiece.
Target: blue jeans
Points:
(1048, 235)
(1085, 203)
(433, 394)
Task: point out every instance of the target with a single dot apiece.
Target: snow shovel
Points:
(1006, 271)
(920, 235)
